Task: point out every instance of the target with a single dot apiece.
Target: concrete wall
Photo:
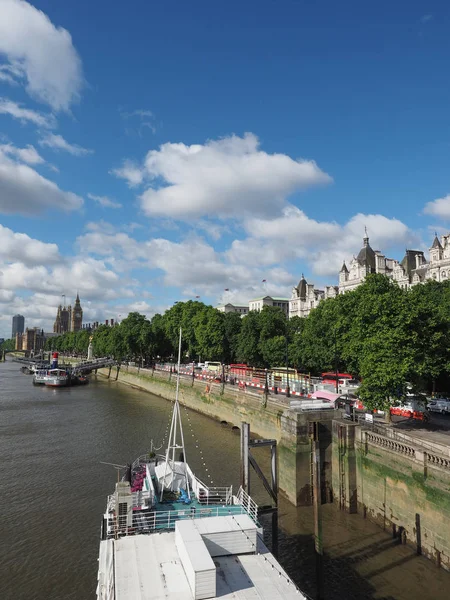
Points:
(269, 418)
(397, 484)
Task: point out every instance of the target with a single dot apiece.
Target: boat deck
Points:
(153, 567)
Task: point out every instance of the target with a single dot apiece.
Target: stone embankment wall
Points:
(399, 484)
(268, 417)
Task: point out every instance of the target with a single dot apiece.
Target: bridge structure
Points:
(87, 366)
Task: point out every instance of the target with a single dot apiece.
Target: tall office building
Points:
(18, 325)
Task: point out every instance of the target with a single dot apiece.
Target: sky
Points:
(155, 152)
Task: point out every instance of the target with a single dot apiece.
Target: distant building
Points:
(259, 303)
(32, 340)
(68, 319)
(228, 308)
(305, 297)
(18, 325)
(412, 269)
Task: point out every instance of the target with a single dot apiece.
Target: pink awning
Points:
(324, 395)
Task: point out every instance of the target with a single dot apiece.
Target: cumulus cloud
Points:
(40, 53)
(227, 178)
(57, 142)
(322, 245)
(129, 171)
(104, 201)
(25, 115)
(439, 207)
(24, 191)
(19, 247)
(29, 154)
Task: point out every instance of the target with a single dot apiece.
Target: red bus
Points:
(331, 377)
(239, 370)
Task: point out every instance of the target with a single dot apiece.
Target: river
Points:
(53, 489)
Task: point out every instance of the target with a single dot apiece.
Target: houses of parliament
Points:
(68, 318)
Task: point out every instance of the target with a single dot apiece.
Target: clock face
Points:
(78, 315)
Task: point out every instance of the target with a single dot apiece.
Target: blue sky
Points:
(159, 151)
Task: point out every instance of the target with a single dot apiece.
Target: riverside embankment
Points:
(398, 480)
(268, 416)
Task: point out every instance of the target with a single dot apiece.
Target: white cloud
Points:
(40, 53)
(57, 142)
(146, 120)
(104, 201)
(129, 171)
(28, 155)
(439, 207)
(19, 247)
(24, 191)
(321, 245)
(26, 115)
(227, 178)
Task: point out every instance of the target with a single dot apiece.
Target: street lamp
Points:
(336, 369)
(288, 389)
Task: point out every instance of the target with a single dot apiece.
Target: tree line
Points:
(391, 338)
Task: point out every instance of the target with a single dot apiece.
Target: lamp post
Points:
(288, 389)
(336, 369)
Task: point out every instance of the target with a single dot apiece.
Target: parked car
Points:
(441, 405)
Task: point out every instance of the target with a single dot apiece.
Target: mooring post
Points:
(245, 438)
(317, 505)
(274, 481)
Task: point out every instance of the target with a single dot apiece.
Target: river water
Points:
(53, 490)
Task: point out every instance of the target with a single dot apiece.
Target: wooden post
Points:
(317, 502)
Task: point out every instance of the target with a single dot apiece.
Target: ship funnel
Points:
(54, 360)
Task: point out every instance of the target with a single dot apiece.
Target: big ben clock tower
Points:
(77, 316)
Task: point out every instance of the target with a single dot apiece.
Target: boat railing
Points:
(149, 521)
(248, 503)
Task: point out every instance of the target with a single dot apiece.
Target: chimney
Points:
(106, 322)
(112, 322)
(418, 260)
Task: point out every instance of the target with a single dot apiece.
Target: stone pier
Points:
(271, 418)
(391, 478)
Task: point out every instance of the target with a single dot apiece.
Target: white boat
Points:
(166, 535)
(40, 376)
(57, 378)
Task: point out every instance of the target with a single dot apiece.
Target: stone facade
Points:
(259, 303)
(32, 340)
(227, 308)
(411, 270)
(305, 297)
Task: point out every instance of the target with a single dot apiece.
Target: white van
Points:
(441, 405)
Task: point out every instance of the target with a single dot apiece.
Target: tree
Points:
(210, 334)
(232, 327)
(428, 329)
(273, 336)
(248, 349)
(162, 347)
(8, 345)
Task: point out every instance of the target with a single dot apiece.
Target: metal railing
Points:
(251, 508)
(154, 520)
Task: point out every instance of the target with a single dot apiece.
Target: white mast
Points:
(172, 444)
